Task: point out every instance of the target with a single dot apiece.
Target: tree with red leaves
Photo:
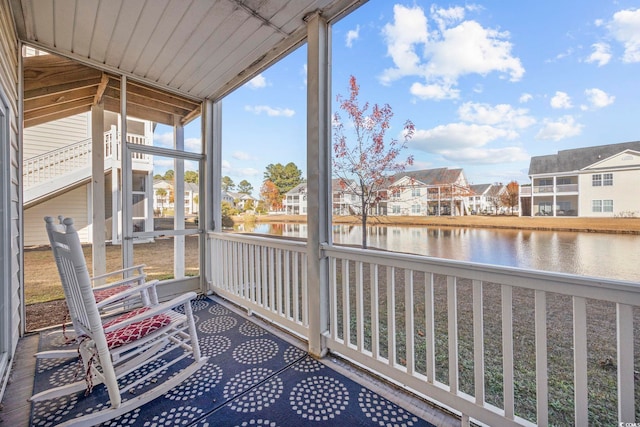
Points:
(366, 160)
(271, 195)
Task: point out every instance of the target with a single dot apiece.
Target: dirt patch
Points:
(45, 314)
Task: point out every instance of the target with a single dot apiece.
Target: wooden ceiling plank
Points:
(101, 88)
(58, 98)
(60, 88)
(113, 104)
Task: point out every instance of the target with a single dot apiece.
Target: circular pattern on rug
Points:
(308, 364)
(218, 310)
(214, 345)
(73, 372)
(215, 325)
(250, 329)
(48, 364)
(51, 412)
(383, 412)
(319, 398)
(291, 354)
(183, 415)
(259, 398)
(141, 372)
(196, 305)
(258, 422)
(203, 381)
(255, 351)
(129, 418)
(60, 341)
(244, 381)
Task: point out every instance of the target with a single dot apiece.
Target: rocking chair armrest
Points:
(154, 311)
(126, 293)
(129, 280)
(139, 268)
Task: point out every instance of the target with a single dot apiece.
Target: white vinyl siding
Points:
(10, 221)
(70, 204)
(50, 136)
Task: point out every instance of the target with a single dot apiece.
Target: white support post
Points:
(178, 201)
(127, 185)
(319, 180)
(99, 250)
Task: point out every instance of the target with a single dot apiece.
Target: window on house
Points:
(415, 192)
(395, 193)
(596, 180)
(395, 209)
(607, 179)
(545, 182)
(607, 206)
(563, 181)
(415, 209)
(596, 206)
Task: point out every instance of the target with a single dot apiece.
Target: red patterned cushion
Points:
(125, 316)
(136, 330)
(106, 293)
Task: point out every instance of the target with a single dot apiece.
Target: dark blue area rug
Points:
(252, 378)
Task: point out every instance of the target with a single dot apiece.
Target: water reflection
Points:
(590, 254)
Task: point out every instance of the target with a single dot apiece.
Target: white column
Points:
(178, 201)
(318, 180)
(127, 185)
(99, 250)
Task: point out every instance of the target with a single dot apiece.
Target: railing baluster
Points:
(272, 279)
(542, 392)
(478, 341)
(296, 286)
(359, 306)
(624, 326)
(279, 282)
(346, 315)
(452, 328)
(507, 351)
(580, 361)
(264, 277)
(333, 299)
(287, 284)
(375, 310)
(429, 325)
(303, 285)
(391, 315)
(409, 324)
(252, 273)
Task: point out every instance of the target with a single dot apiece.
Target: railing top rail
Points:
(292, 245)
(563, 283)
(66, 147)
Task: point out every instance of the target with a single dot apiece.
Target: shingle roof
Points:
(431, 176)
(577, 158)
(480, 188)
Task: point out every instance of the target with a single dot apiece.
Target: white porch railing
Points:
(265, 275)
(503, 346)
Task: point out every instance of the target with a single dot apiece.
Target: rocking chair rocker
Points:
(123, 345)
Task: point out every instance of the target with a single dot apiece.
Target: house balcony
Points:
(494, 345)
(550, 189)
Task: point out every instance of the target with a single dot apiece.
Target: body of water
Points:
(615, 256)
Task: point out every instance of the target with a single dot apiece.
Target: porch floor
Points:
(255, 373)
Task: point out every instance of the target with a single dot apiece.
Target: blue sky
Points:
(487, 84)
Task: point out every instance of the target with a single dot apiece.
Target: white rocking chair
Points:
(133, 340)
(113, 297)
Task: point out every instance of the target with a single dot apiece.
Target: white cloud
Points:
(258, 82)
(163, 140)
(454, 136)
(565, 127)
(193, 144)
(486, 155)
(270, 111)
(601, 54)
(434, 91)
(561, 100)
(625, 28)
(352, 35)
(241, 155)
(525, 97)
(229, 169)
(501, 115)
(441, 56)
(598, 98)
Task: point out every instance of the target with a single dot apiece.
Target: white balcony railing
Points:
(503, 346)
(48, 166)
